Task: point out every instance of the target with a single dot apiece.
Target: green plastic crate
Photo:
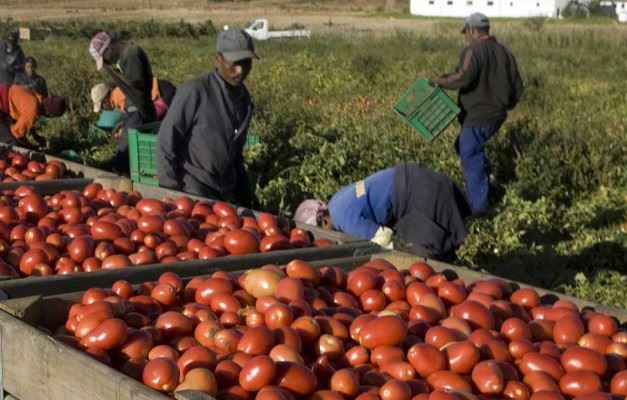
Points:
(427, 109)
(142, 153)
(251, 140)
(142, 150)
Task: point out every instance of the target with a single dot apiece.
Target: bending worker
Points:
(105, 98)
(134, 77)
(201, 139)
(407, 207)
(19, 110)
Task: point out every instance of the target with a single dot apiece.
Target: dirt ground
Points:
(321, 15)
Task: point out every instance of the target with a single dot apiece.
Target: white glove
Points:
(383, 237)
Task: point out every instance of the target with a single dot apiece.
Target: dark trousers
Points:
(120, 161)
(5, 134)
(470, 147)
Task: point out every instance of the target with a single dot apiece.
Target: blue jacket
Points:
(425, 209)
(359, 209)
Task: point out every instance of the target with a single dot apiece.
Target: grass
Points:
(324, 118)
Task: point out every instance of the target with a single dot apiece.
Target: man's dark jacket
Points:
(488, 81)
(200, 143)
(430, 210)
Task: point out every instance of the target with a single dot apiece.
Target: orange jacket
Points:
(118, 100)
(23, 109)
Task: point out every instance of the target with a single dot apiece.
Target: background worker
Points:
(134, 78)
(19, 110)
(162, 93)
(201, 139)
(30, 79)
(489, 86)
(407, 207)
(11, 58)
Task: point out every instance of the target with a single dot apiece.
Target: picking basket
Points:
(427, 109)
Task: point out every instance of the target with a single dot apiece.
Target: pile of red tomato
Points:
(73, 232)
(374, 333)
(16, 167)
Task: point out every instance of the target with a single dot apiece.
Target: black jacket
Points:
(10, 63)
(36, 83)
(488, 82)
(430, 211)
(137, 83)
(200, 143)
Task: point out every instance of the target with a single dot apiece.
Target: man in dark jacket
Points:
(489, 86)
(201, 139)
(407, 207)
(11, 58)
(134, 78)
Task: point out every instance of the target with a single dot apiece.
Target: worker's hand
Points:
(117, 133)
(383, 237)
(433, 80)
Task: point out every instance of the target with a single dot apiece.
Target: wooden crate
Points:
(345, 245)
(117, 182)
(34, 366)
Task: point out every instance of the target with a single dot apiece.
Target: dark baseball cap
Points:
(476, 20)
(235, 45)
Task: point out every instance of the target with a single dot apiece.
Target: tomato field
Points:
(324, 120)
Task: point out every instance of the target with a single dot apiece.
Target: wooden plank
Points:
(404, 261)
(38, 367)
(27, 309)
(49, 187)
(119, 183)
(192, 395)
(55, 284)
(75, 169)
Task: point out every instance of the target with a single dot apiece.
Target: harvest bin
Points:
(111, 180)
(427, 109)
(344, 246)
(142, 142)
(35, 366)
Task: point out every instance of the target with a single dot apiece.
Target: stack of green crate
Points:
(142, 152)
(427, 109)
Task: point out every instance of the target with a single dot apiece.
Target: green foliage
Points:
(324, 120)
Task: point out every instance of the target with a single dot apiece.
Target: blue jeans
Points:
(470, 147)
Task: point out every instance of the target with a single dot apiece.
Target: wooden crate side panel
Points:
(37, 367)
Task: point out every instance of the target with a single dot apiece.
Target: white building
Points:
(619, 6)
(491, 8)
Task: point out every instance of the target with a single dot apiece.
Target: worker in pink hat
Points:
(128, 66)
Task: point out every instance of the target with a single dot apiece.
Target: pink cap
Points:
(98, 46)
(309, 211)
